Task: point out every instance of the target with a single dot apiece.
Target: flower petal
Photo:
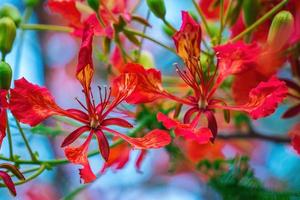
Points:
(118, 157)
(116, 122)
(32, 104)
(295, 136)
(148, 87)
(264, 99)
(187, 40)
(68, 10)
(212, 123)
(167, 122)
(8, 182)
(292, 112)
(78, 155)
(154, 139)
(74, 135)
(2, 124)
(103, 144)
(188, 131)
(236, 58)
(140, 159)
(85, 68)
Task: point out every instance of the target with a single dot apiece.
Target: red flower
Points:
(72, 11)
(3, 106)
(7, 179)
(187, 39)
(261, 101)
(32, 104)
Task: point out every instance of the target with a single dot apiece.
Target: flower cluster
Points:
(236, 74)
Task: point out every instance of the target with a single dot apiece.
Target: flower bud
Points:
(31, 3)
(8, 10)
(94, 4)
(281, 29)
(157, 7)
(146, 59)
(7, 34)
(5, 75)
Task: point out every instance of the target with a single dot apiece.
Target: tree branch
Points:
(255, 136)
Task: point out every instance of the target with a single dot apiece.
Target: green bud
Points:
(31, 3)
(157, 7)
(8, 10)
(7, 34)
(251, 10)
(146, 59)
(5, 75)
(281, 29)
(94, 4)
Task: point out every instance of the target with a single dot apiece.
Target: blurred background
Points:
(50, 58)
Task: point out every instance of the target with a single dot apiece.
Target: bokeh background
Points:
(49, 58)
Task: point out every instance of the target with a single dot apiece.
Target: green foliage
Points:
(233, 179)
(46, 130)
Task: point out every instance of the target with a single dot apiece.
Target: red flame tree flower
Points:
(32, 104)
(262, 100)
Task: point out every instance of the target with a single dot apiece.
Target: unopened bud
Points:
(281, 29)
(157, 7)
(31, 3)
(7, 34)
(94, 4)
(8, 10)
(146, 59)
(5, 75)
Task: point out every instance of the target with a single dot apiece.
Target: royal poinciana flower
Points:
(6, 177)
(262, 100)
(32, 104)
(3, 107)
(77, 13)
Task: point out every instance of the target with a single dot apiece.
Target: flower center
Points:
(94, 123)
(202, 104)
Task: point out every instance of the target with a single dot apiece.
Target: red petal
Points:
(243, 83)
(78, 155)
(124, 85)
(167, 122)
(85, 68)
(68, 10)
(292, 112)
(188, 131)
(74, 135)
(140, 159)
(236, 58)
(118, 157)
(148, 87)
(188, 38)
(295, 135)
(212, 123)
(264, 99)
(201, 135)
(8, 182)
(2, 124)
(154, 139)
(117, 122)
(296, 143)
(103, 144)
(32, 104)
